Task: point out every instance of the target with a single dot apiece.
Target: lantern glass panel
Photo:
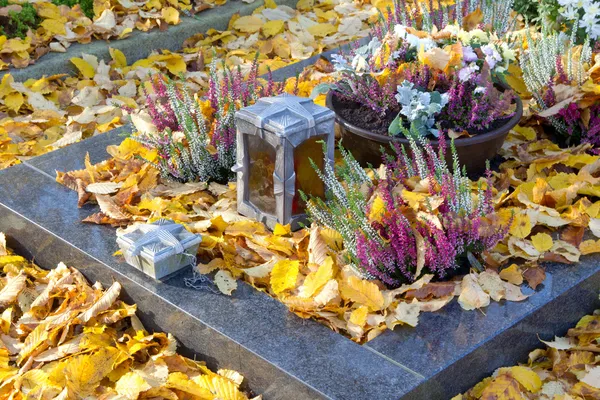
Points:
(307, 179)
(262, 158)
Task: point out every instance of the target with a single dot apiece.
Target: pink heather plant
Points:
(196, 138)
(568, 121)
(474, 104)
(454, 226)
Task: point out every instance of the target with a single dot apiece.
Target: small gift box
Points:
(159, 248)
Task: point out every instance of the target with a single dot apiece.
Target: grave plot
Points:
(41, 110)
(426, 273)
(65, 338)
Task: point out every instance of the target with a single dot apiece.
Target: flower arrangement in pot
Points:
(443, 84)
(412, 216)
(564, 80)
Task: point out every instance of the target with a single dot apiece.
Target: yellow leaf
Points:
(332, 238)
(284, 275)
(377, 209)
(359, 316)
(472, 295)
(270, 4)
(521, 226)
(436, 58)
(13, 101)
(180, 381)
(118, 57)
(526, 131)
(84, 372)
(225, 282)
(170, 15)
(589, 246)
(504, 387)
(174, 62)
(54, 27)
(282, 230)
(11, 260)
(248, 24)
(305, 5)
(526, 377)
(322, 30)
(317, 279)
(512, 274)
(131, 385)
(542, 242)
(84, 67)
(273, 28)
(16, 45)
(48, 10)
(514, 78)
(362, 292)
(6, 84)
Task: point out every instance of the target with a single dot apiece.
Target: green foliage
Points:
(528, 9)
(18, 23)
(87, 6)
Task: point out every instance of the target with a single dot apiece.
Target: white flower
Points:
(595, 31)
(467, 72)
(492, 57)
(593, 9)
(570, 13)
(414, 41)
(480, 89)
(469, 54)
(508, 54)
(473, 36)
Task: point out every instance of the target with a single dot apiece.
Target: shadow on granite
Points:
(281, 355)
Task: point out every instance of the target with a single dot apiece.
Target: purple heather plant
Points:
(473, 104)
(568, 121)
(195, 138)
(384, 237)
(358, 77)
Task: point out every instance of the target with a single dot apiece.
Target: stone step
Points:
(140, 44)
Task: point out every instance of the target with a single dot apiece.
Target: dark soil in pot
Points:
(364, 133)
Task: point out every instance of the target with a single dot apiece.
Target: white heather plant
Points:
(541, 62)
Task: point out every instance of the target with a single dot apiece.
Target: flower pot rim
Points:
(459, 142)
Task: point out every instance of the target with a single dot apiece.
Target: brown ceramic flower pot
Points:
(473, 152)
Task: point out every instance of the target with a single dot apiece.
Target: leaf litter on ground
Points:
(62, 338)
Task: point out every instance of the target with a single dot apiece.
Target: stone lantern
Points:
(276, 139)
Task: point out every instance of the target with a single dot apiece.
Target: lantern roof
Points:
(285, 114)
